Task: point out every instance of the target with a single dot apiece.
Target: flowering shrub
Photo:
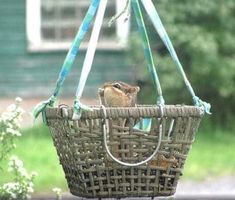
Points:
(10, 128)
(57, 192)
(22, 185)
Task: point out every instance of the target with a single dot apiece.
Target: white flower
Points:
(30, 188)
(18, 100)
(5, 116)
(20, 110)
(15, 164)
(23, 173)
(13, 132)
(11, 108)
(56, 190)
(3, 133)
(9, 129)
(12, 189)
(9, 125)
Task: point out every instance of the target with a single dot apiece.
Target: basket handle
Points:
(125, 163)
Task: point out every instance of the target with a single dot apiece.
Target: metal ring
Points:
(104, 111)
(161, 110)
(64, 110)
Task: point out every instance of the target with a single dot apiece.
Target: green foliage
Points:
(22, 185)
(202, 33)
(9, 129)
(41, 153)
(212, 155)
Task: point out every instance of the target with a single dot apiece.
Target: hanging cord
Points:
(78, 106)
(115, 17)
(154, 17)
(147, 50)
(67, 65)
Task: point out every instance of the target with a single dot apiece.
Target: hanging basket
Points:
(84, 145)
(111, 152)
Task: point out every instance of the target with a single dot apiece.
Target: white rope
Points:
(91, 47)
(87, 64)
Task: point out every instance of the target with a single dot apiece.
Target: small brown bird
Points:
(118, 94)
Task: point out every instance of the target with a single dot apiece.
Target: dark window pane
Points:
(48, 33)
(48, 9)
(61, 19)
(68, 13)
(108, 32)
(68, 33)
(110, 10)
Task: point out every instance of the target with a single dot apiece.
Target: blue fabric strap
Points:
(154, 17)
(101, 4)
(67, 65)
(42, 105)
(147, 50)
(68, 62)
(78, 107)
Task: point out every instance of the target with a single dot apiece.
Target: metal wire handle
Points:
(125, 163)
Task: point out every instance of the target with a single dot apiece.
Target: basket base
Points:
(122, 182)
(120, 196)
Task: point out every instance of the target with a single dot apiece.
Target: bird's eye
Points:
(116, 85)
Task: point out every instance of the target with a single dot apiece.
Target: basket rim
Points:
(140, 111)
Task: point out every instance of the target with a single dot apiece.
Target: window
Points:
(52, 24)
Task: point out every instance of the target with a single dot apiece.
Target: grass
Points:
(36, 150)
(212, 155)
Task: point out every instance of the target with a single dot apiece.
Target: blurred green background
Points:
(203, 33)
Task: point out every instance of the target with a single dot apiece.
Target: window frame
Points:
(35, 41)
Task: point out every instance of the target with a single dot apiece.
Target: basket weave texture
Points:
(89, 170)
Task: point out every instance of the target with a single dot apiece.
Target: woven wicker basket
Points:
(92, 173)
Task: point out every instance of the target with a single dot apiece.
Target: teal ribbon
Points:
(42, 105)
(202, 104)
(154, 17)
(69, 60)
(147, 50)
(144, 125)
(149, 7)
(88, 61)
(67, 65)
(78, 108)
